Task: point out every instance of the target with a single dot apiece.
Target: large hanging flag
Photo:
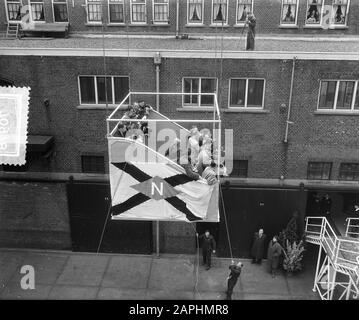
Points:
(147, 186)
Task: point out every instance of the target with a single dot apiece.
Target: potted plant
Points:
(293, 255)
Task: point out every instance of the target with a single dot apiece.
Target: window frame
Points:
(131, 12)
(191, 23)
(296, 16)
(53, 11)
(237, 6)
(338, 26)
(337, 85)
(109, 15)
(113, 102)
(30, 11)
(95, 22)
(215, 23)
(7, 13)
(314, 25)
(245, 107)
(355, 173)
(167, 3)
(323, 163)
(188, 105)
(239, 176)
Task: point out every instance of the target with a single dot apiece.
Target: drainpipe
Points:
(177, 19)
(157, 61)
(288, 122)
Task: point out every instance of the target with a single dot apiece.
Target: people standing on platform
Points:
(251, 33)
(258, 247)
(208, 247)
(273, 256)
(233, 277)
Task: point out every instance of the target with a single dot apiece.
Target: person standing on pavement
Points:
(208, 246)
(274, 253)
(258, 246)
(233, 277)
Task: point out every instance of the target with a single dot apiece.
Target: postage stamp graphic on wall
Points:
(14, 109)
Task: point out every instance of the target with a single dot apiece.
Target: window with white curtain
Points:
(37, 10)
(289, 12)
(94, 11)
(13, 9)
(340, 9)
(340, 95)
(219, 11)
(243, 7)
(60, 10)
(246, 93)
(116, 11)
(314, 12)
(160, 11)
(138, 11)
(195, 11)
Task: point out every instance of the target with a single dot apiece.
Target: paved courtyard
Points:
(68, 275)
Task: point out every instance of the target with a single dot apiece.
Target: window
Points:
(138, 11)
(195, 11)
(349, 171)
(243, 7)
(37, 10)
(319, 170)
(340, 11)
(60, 10)
(94, 11)
(339, 95)
(289, 12)
(93, 164)
(246, 93)
(160, 11)
(314, 12)
(219, 11)
(116, 11)
(93, 89)
(13, 10)
(240, 169)
(199, 85)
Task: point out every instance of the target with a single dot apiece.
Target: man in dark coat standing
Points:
(258, 246)
(274, 253)
(208, 246)
(233, 277)
(251, 33)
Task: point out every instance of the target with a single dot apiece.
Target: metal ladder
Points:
(12, 30)
(341, 260)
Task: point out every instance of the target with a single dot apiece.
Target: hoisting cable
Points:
(225, 221)
(197, 263)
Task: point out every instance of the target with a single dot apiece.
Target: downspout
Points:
(157, 61)
(177, 19)
(288, 122)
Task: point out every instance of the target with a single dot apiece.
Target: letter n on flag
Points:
(156, 190)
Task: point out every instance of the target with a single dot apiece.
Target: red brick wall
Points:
(267, 13)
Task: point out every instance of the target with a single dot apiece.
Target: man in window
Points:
(251, 22)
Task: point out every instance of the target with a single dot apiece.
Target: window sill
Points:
(337, 112)
(288, 26)
(333, 27)
(219, 25)
(161, 24)
(239, 25)
(138, 24)
(195, 109)
(316, 26)
(191, 25)
(116, 24)
(99, 107)
(244, 110)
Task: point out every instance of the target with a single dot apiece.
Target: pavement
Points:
(68, 275)
(216, 44)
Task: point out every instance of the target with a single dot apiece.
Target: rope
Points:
(197, 263)
(225, 220)
(104, 57)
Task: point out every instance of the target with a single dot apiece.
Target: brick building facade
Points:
(321, 152)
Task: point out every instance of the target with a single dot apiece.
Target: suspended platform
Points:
(337, 271)
(146, 183)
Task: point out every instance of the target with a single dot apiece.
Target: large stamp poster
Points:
(14, 108)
